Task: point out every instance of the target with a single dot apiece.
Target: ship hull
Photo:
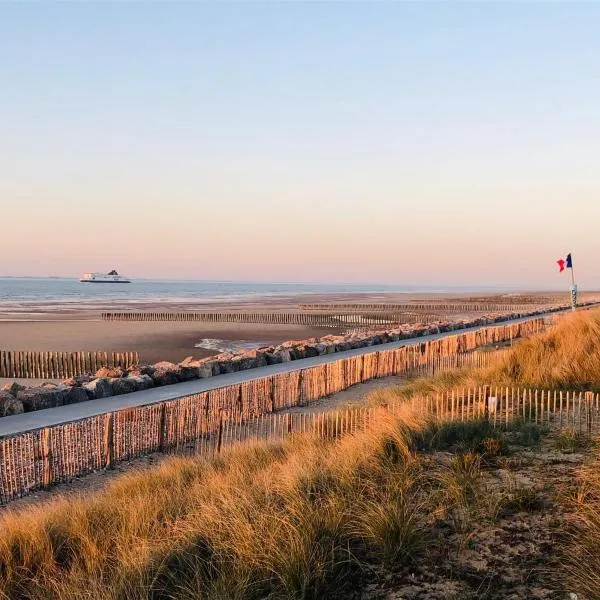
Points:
(103, 281)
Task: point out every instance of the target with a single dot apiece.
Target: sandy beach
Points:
(48, 326)
(153, 341)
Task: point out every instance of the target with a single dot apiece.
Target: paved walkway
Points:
(16, 424)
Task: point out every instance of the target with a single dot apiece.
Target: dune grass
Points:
(299, 519)
(566, 357)
(305, 518)
(580, 552)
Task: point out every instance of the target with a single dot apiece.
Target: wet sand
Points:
(91, 309)
(77, 326)
(153, 341)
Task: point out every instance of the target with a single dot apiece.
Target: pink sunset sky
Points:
(388, 143)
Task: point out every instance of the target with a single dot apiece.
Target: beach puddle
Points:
(233, 346)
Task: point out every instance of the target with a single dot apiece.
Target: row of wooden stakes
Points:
(333, 320)
(428, 306)
(578, 411)
(60, 365)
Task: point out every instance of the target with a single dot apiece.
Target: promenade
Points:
(16, 424)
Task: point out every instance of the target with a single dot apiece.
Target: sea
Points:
(31, 298)
(60, 291)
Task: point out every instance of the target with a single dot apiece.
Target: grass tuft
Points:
(569, 440)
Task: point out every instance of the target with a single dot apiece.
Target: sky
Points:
(369, 142)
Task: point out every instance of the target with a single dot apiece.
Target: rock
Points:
(207, 368)
(189, 368)
(164, 365)
(284, 355)
(122, 385)
(5, 396)
(110, 372)
(78, 380)
(39, 398)
(161, 377)
(241, 363)
(272, 358)
(9, 405)
(165, 373)
(142, 382)
(227, 366)
(187, 373)
(303, 351)
(320, 349)
(265, 349)
(98, 388)
(260, 357)
(250, 360)
(205, 371)
(13, 388)
(76, 395)
(137, 370)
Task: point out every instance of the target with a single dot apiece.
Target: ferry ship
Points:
(112, 277)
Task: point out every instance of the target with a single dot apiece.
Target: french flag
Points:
(565, 263)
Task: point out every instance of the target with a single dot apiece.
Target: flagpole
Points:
(572, 273)
(573, 286)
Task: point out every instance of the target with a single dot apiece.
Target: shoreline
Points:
(12, 309)
(43, 326)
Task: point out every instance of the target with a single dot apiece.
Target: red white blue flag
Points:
(565, 263)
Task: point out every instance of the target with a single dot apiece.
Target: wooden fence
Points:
(337, 320)
(59, 365)
(39, 458)
(184, 426)
(578, 411)
(427, 306)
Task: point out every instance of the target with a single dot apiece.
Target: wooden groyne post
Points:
(60, 365)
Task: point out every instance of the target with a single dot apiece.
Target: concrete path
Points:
(16, 424)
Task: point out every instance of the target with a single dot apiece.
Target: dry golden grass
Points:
(565, 357)
(290, 520)
(294, 520)
(581, 552)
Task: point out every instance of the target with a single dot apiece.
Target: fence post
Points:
(46, 457)
(271, 394)
(109, 441)
(300, 392)
(161, 427)
(220, 434)
(486, 400)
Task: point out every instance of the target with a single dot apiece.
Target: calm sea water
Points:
(31, 290)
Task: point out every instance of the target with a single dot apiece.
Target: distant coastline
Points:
(69, 290)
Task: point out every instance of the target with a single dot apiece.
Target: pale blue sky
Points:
(358, 142)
